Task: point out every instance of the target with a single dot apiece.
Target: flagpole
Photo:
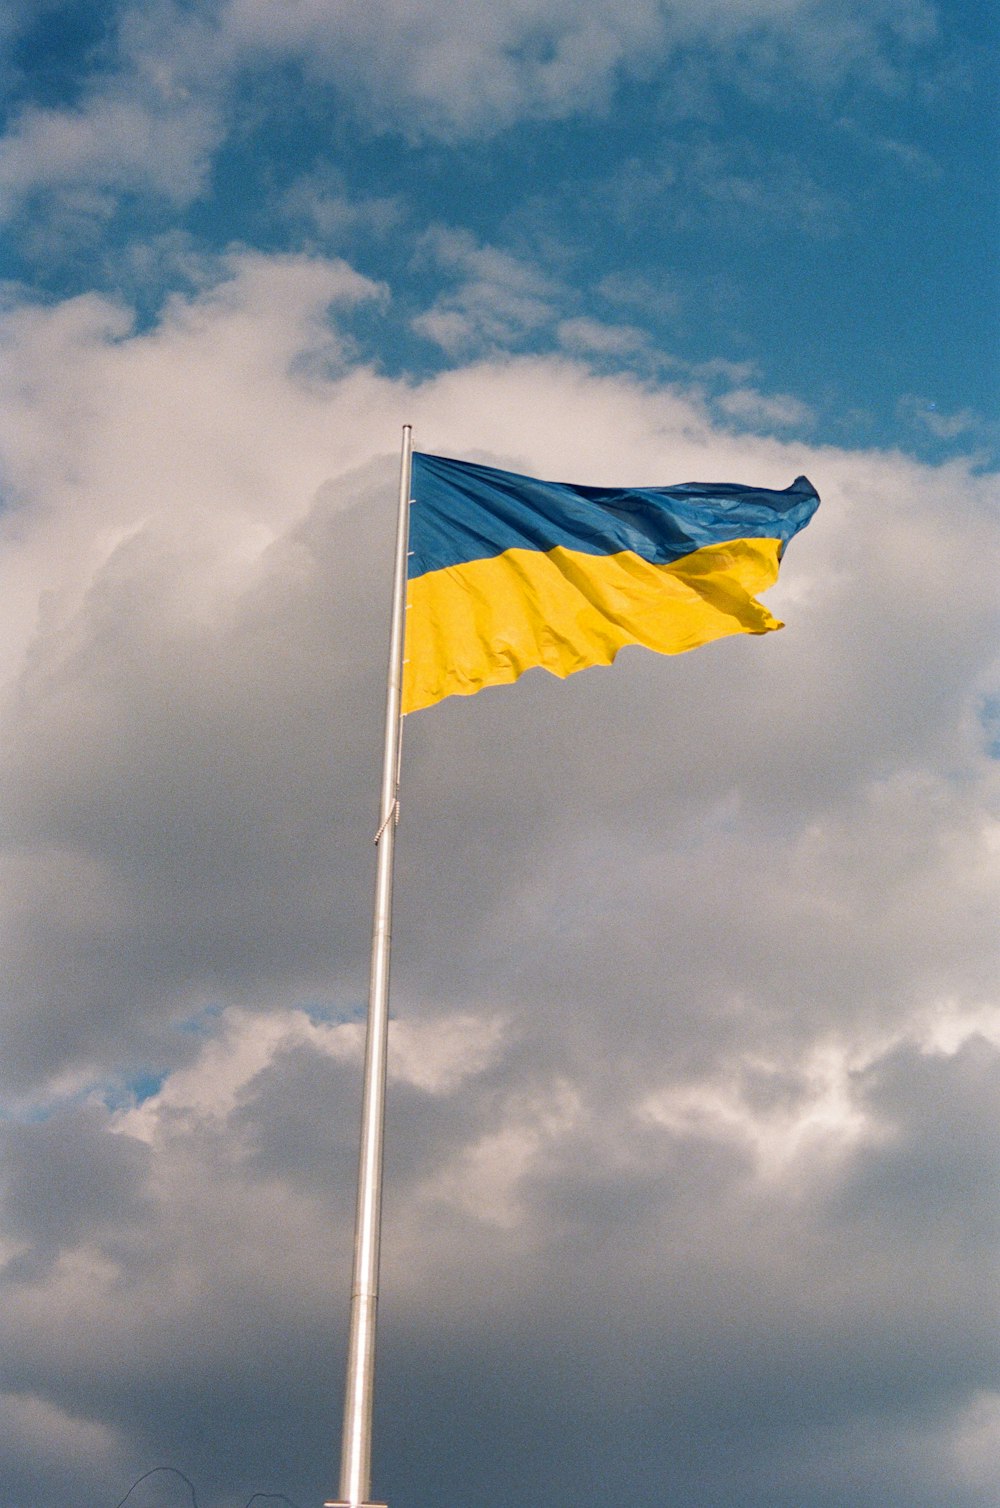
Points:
(355, 1457)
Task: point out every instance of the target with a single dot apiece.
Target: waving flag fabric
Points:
(507, 572)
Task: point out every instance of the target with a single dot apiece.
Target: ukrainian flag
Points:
(507, 572)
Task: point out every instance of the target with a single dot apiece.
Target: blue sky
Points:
(695, 1053)
(735, 202)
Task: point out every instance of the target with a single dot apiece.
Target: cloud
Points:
(185, 570)
(497, 300)
(428, 69)
(321, 201)
(158, 102)
(760, 410)
(140, 542)
(765, 193)
(583, 336)
(695, 1038)
(925, 413)
(145, 118)
(648, 296)
(500, 1190)
(112, 143)
(431, 69)
(910, 158)
(72, 1453)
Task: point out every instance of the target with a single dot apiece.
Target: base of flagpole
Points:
(341, 1503)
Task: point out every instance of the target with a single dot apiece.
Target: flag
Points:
(507, 572)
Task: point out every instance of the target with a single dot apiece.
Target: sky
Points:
(694, 1101)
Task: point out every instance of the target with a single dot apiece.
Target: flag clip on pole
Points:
(355, 1459)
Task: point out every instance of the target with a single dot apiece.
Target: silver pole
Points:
(356, 1447)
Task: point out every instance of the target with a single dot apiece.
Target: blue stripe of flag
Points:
(465, 512)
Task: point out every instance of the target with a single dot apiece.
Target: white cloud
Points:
(433, 1055)
(433, 68)
(925, 413)
(766, 410)
(160, 104)
(437, 1055)
(103, 432)
(582, 336)
(334, 215)
(805, 1112)
(483, 1180)
(497, 301)
(649, 296)
(113, 142)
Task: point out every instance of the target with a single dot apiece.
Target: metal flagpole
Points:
(355, 1457)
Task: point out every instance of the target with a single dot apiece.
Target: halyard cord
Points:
(274, 1497)
(152, 1473)
(391, 815)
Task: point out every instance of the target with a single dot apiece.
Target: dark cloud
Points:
(67, 1182)
(196, 810)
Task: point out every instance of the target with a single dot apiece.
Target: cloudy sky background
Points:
(692, 1190)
